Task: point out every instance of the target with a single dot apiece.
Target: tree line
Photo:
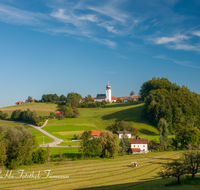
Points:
(26, 116)
(19, 147)
(173, 110)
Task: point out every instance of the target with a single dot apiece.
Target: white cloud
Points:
(196, 33)
(165, 40)
(16, 16)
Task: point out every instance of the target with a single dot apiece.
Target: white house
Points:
(139, 145)
(120, 134)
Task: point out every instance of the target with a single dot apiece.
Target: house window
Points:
(143, 145)
(134, 146)
(138, 145)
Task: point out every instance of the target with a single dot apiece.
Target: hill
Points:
(92, 118)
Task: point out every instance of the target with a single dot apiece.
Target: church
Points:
(106, 97)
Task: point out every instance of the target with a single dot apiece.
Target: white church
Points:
(106, 97)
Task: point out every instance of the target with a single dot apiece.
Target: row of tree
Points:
(18, 146)
(26, 116)
(92, 104)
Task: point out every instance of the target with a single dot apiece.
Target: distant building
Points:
(106, 97)
(113, 99)
(30, 100)
(95, 133)
(139, 145)
(59, 112)
(120, 134)
(20, 102)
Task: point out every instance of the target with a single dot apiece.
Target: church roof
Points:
(101, 96)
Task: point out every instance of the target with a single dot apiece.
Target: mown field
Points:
(39, 136)
(98, 174)
(42, 109)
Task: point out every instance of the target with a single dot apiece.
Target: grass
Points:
(69, 143)
(99, 174)
(66, 132)
(39, 136)
(100, 118)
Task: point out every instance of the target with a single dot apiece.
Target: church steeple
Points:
(108, 93)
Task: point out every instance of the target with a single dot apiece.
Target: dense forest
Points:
(177, 105)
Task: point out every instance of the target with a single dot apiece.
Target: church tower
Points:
(108, 93)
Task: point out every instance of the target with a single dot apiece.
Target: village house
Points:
(30, 100)
(59, 112)
(120, 134)
(139, 145)
(113, 99)
(19, 102)
(95, 133)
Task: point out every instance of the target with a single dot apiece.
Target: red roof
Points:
(94, 98)
(113, 98)
(96, 132)
(19, 102)
(57, 112)
(135, 149)
(121, 98)
(139, 141)
(30, 99)
(134, 97)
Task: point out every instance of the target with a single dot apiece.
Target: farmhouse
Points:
(19, 102)
(59, 112)
(120, 134)
(30, 100)
(95, 133)
(139, 145)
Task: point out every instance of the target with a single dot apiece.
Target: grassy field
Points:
(98, 174)
(42, 109)
(100, 118)
(39, 136)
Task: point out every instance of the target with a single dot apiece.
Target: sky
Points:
(62, 46)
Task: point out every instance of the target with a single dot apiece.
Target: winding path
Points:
(56, 140)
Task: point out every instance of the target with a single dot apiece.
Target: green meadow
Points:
(42, 109)
(98, 174)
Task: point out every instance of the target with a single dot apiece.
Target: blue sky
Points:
(61, 46)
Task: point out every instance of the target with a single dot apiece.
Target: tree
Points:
(186, 136)
(19, 144)
(55, 97)
(192, 159)
(173, 169)
(30, 99)
(124, 143)
(3, 115)
(74, 103)
(108, 144)
(62, 98)
(89, 98)
(89, 145)
(3, 155)
(119, 100)
(132, 93)
(163, 130)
